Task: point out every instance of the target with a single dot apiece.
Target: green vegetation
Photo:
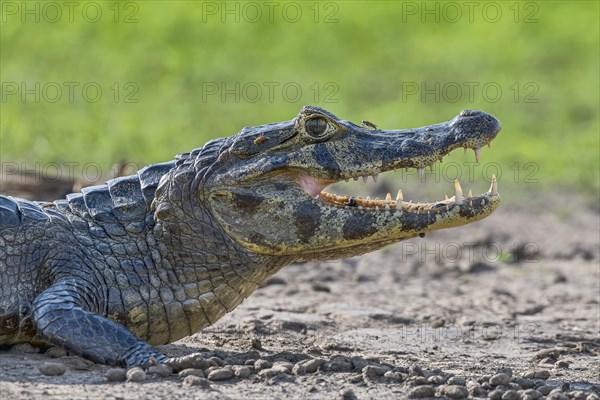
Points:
(373, 58)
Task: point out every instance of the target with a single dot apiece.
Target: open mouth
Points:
(315, 188)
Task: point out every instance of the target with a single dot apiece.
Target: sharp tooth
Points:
(376, 208)
(470, 193)
(387, 207)
(458, 197)
(490, 145)
(377, 199)
(388, 197)
(399, 205)
(399, 195)
(355, 178)
(347, 180)
(421, 172)
(368, 198)
(375, 178)
(477, 153)
(494, 186)
(465, 149)
(483, 202)
(364, 178)
(471, 203)
(445, 197)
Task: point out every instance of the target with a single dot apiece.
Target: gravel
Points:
(52, 369)
(220, 374)
(136, 374)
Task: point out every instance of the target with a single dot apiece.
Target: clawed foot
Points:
(193, 360)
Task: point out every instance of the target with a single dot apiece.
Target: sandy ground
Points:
(515, 294)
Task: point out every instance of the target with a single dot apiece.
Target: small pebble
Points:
(537, 374)
(578, 395)
(359, 363)
(415, 370)
(192, 380)
(320, 287)
(273, 371)
(313, 365)
(136, 374)
(24, 348)
(191, 372)
(592, 396)
(514, 386)
(241, 372)
(436, 379)
(455, 380)
(421, 392)
(284, 364)
(547, 353)
(256, 344)
(418, 381)
(161, 370)
(372, 371)
(347, 394)
(524, 383)
(545, 389)
(506, 370)
(56, 352)
(500, 379)
(221, 374)
(52, 369)
(475, 389)
(561, 364)
(299, 368)
(557, 396)
(338, 365)
(201, 363)
(116, 375)
(531, 394)
(510, 395)
(393, 376)
(217, 360)
(496, 394)
(456, 391)
(262, 364)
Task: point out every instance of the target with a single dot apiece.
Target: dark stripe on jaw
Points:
(326, 161)
(307, 217)
(360, 226)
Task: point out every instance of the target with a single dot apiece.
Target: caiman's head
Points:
(267, 188)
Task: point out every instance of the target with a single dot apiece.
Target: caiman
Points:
(150, 258)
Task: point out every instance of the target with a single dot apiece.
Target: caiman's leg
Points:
(62, 318)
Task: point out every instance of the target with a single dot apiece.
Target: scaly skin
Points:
(153, 257)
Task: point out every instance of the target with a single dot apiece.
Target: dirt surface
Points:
(446, 315)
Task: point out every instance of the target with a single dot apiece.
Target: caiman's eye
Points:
(316, 126)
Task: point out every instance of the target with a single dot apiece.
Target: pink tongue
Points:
(310, 185)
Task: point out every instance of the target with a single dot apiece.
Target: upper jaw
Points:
(416, 148)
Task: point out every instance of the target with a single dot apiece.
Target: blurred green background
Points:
(142, 81)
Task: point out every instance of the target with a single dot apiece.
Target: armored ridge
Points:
(150, 258)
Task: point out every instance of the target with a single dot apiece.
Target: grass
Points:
(361, 67)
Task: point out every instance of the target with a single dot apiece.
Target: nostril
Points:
(469, 113)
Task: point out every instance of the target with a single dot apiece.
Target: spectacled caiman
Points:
(156, 256)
